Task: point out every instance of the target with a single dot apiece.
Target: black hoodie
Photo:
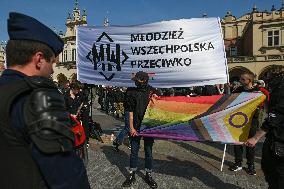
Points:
(136, 100)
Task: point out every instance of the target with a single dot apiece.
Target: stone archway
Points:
(235, 73)
(265, 72)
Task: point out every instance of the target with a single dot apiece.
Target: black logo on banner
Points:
(106, 59)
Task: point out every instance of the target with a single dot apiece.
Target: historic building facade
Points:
(67, 59)
(254, 42)
(2, 56)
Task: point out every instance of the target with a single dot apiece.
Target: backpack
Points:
(79, 132)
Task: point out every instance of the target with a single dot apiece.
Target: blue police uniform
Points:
(58, 170)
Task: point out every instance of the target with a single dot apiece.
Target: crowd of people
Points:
(110, 98)
(77, 98)
(37, 144)
(116, 101)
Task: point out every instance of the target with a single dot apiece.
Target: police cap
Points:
(23, 27)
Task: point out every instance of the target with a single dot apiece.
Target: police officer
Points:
(272, 162)
(36, 143)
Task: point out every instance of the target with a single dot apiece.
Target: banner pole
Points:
(91, 101)
(223, 159)
(228, 90)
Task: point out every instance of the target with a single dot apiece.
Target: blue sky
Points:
(53, 13)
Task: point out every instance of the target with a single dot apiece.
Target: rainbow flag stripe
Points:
(220, 118)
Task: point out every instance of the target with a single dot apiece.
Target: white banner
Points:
(177, 53)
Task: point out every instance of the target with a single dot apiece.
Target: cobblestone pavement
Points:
(176, 164)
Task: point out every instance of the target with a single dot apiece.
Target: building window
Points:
(276, 38)
(65, 56)
(233, 51)
(273, 38)
(74, 55)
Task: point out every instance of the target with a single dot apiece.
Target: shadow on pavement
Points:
(120, 159)
(230, 150)
(230, 147)
(172, 166)
(202, 153)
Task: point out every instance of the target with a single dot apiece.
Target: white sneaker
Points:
(235, 167)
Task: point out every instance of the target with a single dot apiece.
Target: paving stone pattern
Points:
(177, 165)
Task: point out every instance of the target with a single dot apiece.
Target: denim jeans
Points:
(125, 131)
(135, 145)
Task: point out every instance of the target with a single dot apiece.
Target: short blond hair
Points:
(249, 75)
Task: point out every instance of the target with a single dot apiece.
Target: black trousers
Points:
(272, 166)
(85, 121)
(250, 151)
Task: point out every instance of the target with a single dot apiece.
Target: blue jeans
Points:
(135, 145)
(125, 131)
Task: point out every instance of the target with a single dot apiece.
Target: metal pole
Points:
(225, 147)
(91, 101)
(223, 159)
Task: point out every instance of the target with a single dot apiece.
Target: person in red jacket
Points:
(261, 85)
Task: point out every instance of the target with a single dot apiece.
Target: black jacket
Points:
(274, 124)
(136, 101)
